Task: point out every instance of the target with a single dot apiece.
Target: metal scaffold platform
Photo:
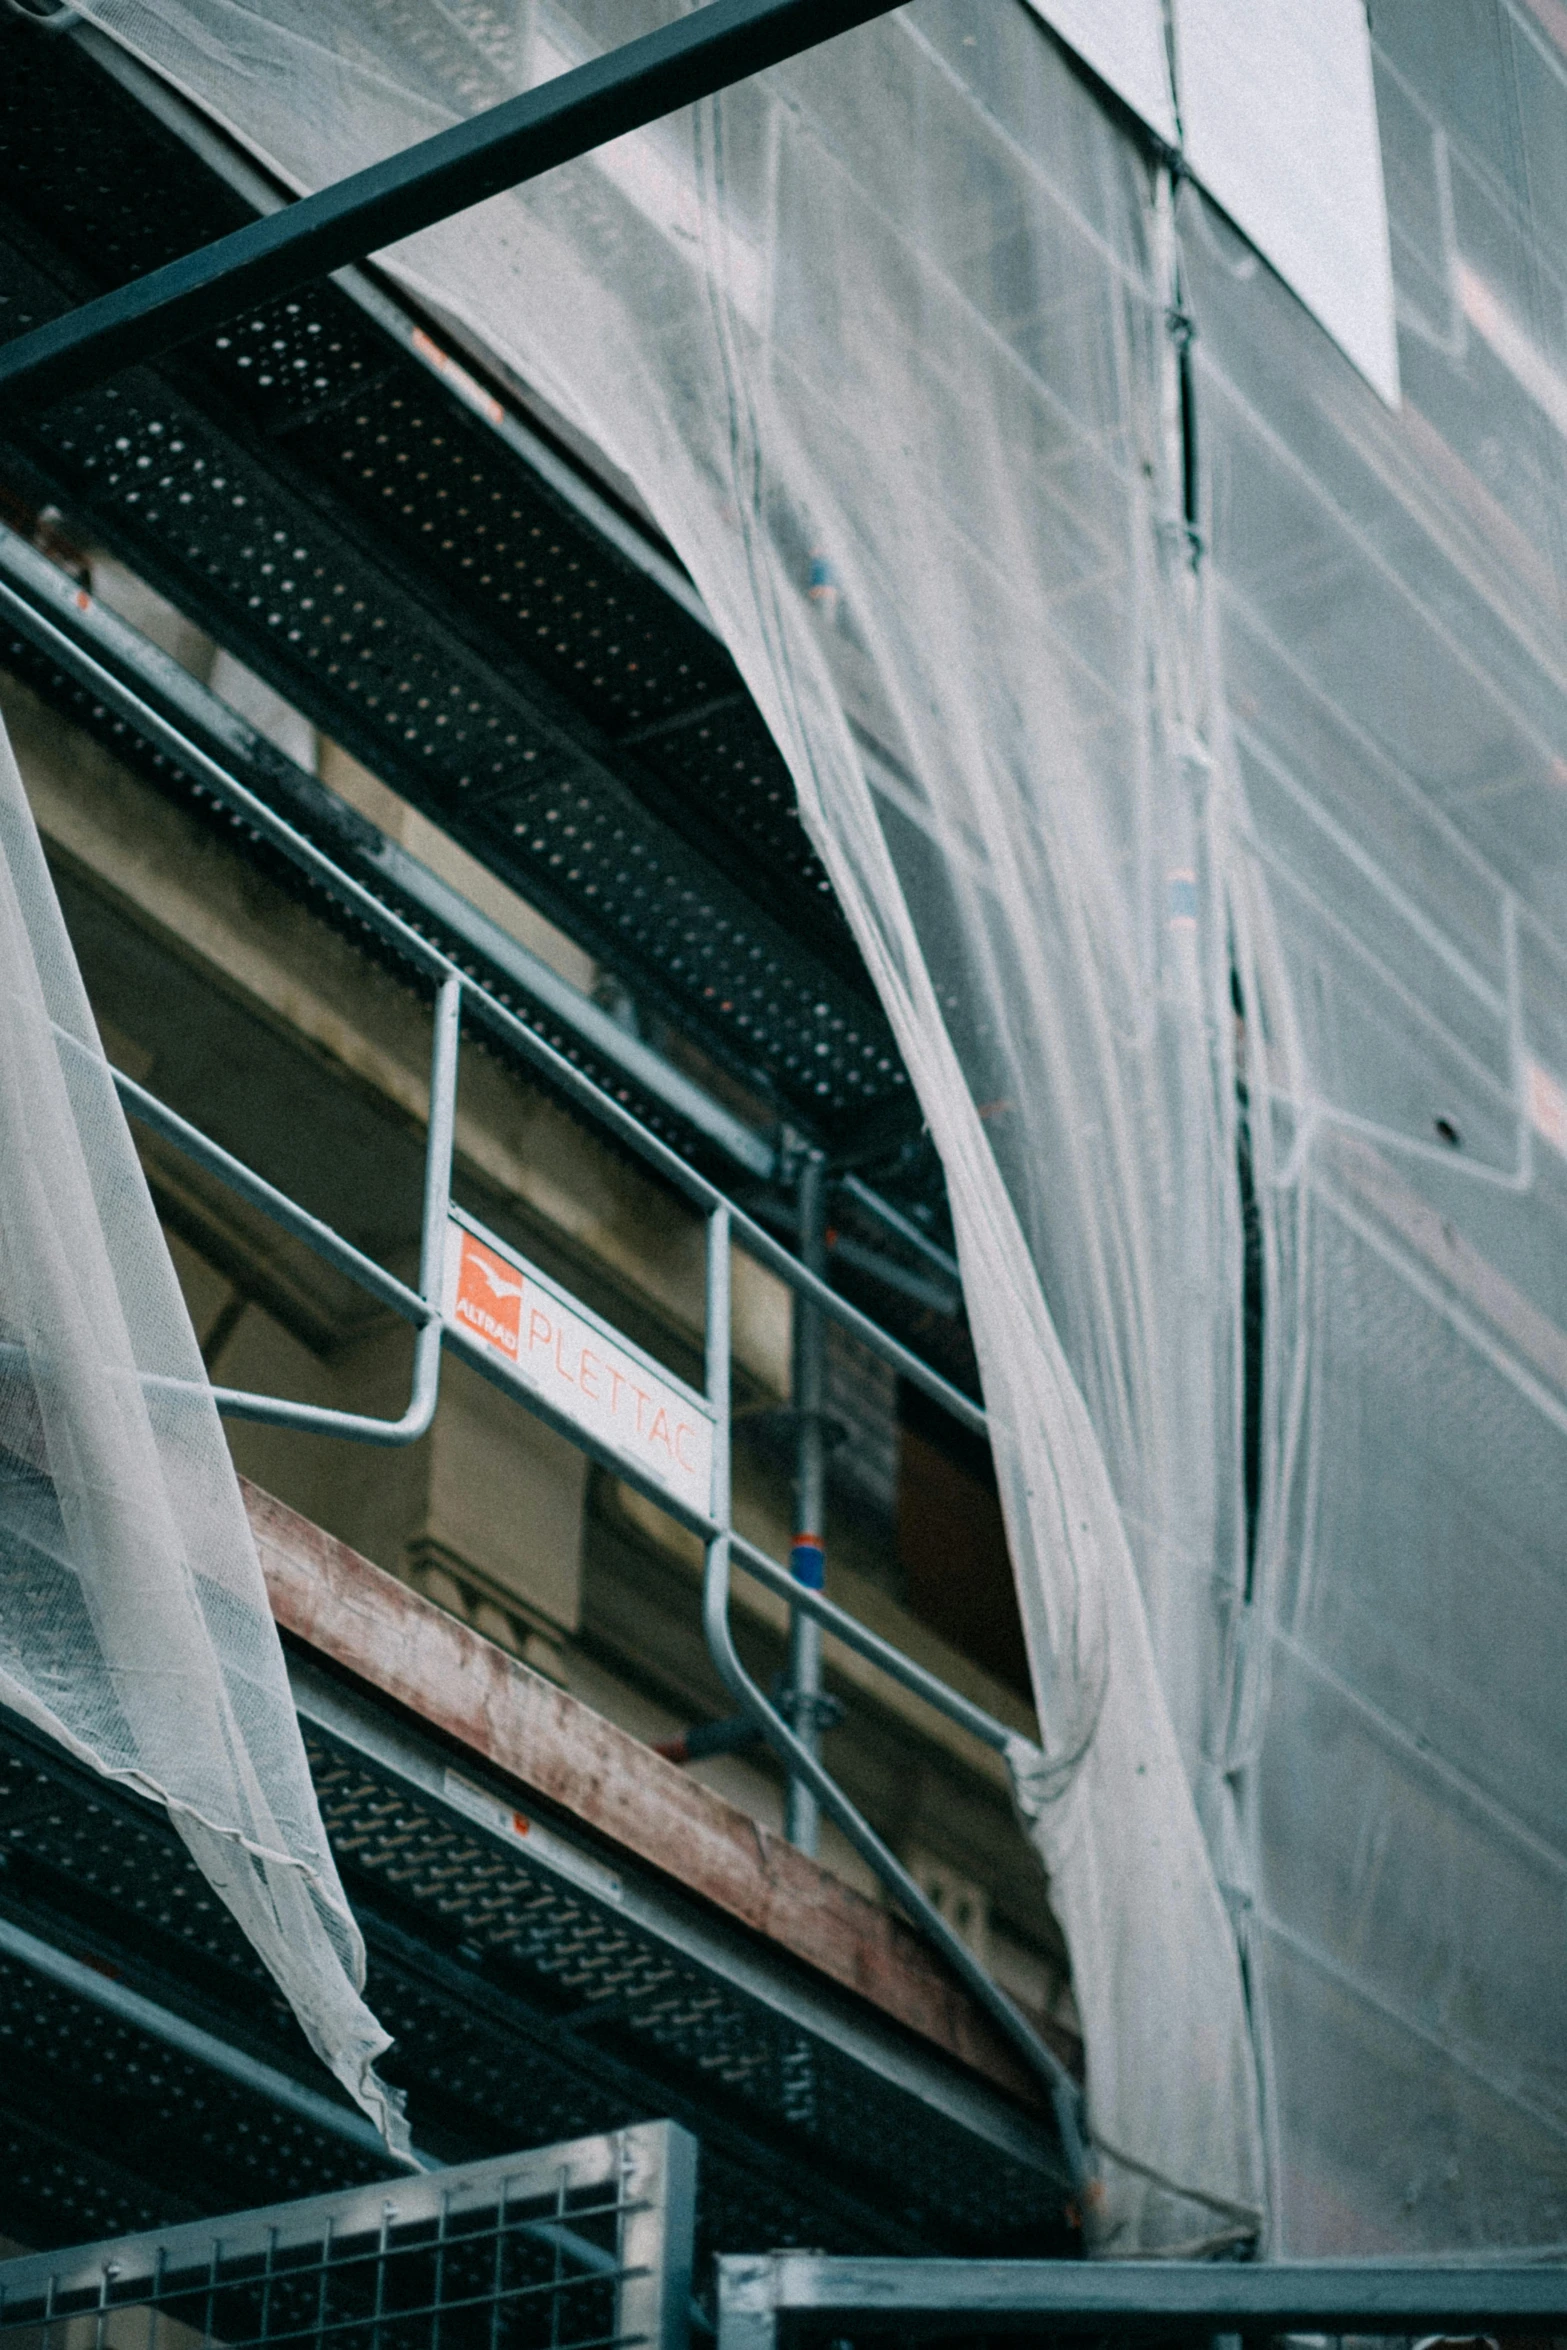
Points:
(537, 1986)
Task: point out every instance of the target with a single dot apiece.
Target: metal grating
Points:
(525, 2001)
(629, 1994)
(105, 2127)
(335, 514)
(639, 1999)
(578, 2247)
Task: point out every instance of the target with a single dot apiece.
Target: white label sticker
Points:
(571, 1361)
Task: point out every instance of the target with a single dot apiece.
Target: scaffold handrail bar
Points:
(877, 1651)
(893, 1220)
(326, 1243)
(479, 1003)
(421, 1306)
(1063, 2093)
(503, 147)
(805, 1766)
(440, 1137)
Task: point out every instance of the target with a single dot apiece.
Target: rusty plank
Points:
(552, 1745)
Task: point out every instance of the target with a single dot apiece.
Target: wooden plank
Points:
(552, 1745)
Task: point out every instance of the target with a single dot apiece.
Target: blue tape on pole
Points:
(808, 1562)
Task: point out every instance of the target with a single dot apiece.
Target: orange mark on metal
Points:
(465, 385)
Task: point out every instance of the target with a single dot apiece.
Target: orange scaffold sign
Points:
(576, 1365)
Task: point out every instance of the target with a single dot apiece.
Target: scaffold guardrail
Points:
(461, 1000)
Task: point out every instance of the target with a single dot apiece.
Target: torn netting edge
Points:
(880, 341)
(134, 1627)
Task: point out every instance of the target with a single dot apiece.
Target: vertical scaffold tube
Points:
(807, 1556)
(715, 1580)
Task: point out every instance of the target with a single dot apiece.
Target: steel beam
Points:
(502, 148)
(759, 2297)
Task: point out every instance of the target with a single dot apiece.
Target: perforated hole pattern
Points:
(419, 707)
(545, 652)
(857, 2142)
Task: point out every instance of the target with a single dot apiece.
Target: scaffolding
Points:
(577, 2247)
(459, 998)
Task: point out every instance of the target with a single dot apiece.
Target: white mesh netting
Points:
(134, 1624)
(884, 344)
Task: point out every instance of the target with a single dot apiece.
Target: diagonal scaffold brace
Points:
(622, 91)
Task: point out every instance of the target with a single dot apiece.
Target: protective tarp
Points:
(1192, 979)
(1392, 625)
(1127, 43)
(1271, 109)
(1279, 126)
(134, 1625)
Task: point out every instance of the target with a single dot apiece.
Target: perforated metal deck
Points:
(537, 1987)
(337, 515)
